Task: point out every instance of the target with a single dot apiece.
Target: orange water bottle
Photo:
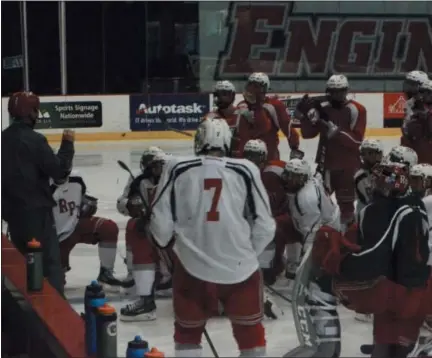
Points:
(154, 353)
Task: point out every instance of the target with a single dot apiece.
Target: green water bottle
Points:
(35, 277)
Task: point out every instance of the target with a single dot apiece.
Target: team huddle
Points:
(221, 225)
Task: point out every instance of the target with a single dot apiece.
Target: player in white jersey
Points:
(371, 153)
(142, 256)
(411, 87)
(76, 224)
(203, 201)
(421, 184)
(314, 306)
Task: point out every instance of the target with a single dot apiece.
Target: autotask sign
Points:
(82, 114)
(183, 111)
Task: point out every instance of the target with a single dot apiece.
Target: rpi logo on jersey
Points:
(173, 109)
(182, 111)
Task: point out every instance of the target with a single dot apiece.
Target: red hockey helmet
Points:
(390, 179)
(23, 104)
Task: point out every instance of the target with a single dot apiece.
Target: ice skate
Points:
(143, 309)
(271, 310)
(164, 289)
(108, 281)
(364, 317)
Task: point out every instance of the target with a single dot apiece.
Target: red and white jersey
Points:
(312, 208)
(202, 201)
(428, 204)
(68, 198)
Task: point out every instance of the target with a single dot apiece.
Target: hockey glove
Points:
(296, 154)
(332, 129)
(135, 206)
(88, 206)
(329, 249)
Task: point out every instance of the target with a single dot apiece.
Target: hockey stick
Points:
(163, 118)
(272, 290)
(126, 168)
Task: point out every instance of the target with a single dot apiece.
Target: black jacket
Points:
(393, 234)
(27, 164)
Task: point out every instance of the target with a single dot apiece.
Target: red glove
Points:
(329, 248)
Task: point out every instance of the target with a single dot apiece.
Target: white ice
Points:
(105, 180)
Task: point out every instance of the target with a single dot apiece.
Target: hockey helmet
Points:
(337, 88)
(212, 134)
(404, 155)
(257, 85)
(420, 178)
(371, 152)
(148, 156)
(255, 150)
(223, 94)
(413, 81)
(295, 174)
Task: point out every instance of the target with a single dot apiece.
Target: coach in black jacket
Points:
(28, 162)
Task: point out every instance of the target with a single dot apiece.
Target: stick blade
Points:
(122, 165)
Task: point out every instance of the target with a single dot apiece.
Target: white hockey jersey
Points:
(312, 208)
(428, 204)
(203, 201)
(68, 198)
(146, 187)
(363, 188)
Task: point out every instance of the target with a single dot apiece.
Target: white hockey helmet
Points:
(256, 145)
(417, 76)
(260, 78)
(149, 155)
(404, 155)
(372, 144)
(255, 150)
(224, 86)
(213, 134)
(336, 82)
(298, 166)
(426, 85)
(421, 177)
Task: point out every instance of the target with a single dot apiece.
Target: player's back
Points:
(211, 197)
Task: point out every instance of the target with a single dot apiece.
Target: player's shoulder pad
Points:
(246, 164)
(358, 105)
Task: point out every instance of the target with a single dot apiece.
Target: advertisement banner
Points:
(61, 115)
(183, 111)
(393, 109)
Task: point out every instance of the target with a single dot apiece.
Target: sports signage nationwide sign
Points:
(268, 37)
(60, 115)
(182, 111)
(393, 109)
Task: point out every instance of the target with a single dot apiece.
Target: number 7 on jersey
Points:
(216, 184)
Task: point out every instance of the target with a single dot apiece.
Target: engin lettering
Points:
(266, 37)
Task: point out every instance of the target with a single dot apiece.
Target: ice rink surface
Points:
(96, 162)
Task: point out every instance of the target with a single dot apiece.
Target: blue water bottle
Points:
(94, 297)
(137, 348)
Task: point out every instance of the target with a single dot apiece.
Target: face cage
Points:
(297, 179)
(337, 94)
(228, 95)
(368, 153)
(254, 156)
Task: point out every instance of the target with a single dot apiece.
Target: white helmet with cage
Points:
(337, 82)
(260, 78)
(417, 76)
(224, 86)
(372, 144)
(149, 155)
(213, 134)
(404, 155)
(426, 85)
(298, 166)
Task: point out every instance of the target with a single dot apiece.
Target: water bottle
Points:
(35, 277)
(137, 348)
(94, 297)
(154, 353)
(106, 332)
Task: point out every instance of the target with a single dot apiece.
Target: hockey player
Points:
(340, 124)
(76, 223)
(142, 257)
(388, 275)
(286, 235)
(421, 184)
(417, 126)
(371, 153)
(403, 155)
(267, 115)
(202, 201)
(224, 94)
(314, 306)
